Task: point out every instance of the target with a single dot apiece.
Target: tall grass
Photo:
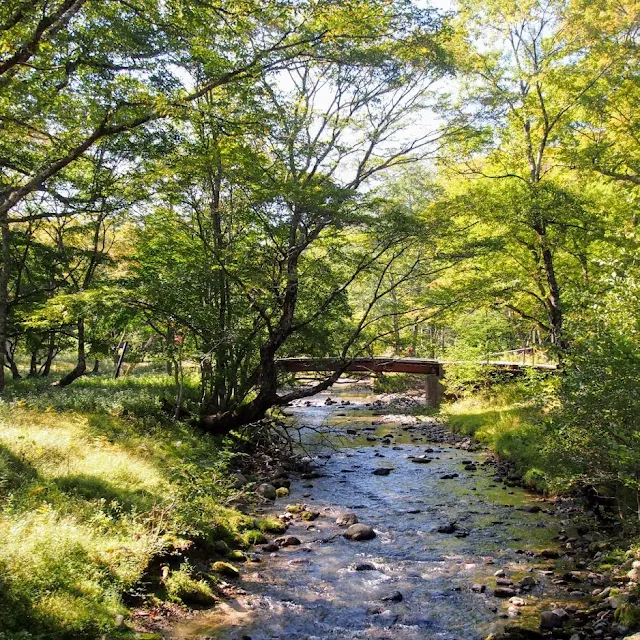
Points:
(96, 481)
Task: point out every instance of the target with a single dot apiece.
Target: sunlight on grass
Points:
(92, 488)
(510, 424)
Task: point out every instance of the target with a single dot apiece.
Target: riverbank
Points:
(107, 503)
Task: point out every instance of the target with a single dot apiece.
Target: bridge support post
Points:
(433, 391)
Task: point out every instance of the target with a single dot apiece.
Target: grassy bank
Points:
(510, 419)
(96, 485)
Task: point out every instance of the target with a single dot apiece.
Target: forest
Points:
(191, 190)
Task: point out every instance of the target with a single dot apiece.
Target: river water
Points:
(313, 591)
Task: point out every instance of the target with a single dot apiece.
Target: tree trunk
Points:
(170, 346)
(4, 294)
(96, 367)
(556, 315)
(15, 373)
(33, 364)
(51, 354)
(81, 365)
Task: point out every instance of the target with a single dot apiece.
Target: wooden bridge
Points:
(432, 369)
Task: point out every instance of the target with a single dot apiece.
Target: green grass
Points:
(509, 421)
(95, 483)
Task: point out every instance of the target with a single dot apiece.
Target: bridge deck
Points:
(421, 366)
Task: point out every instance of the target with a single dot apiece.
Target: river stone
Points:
(635, 636)
(287, 541)
(421, 460)
(532, 508)
(382, 471)
(240, 480)
(634, 575)
(267, 491)
(346, 519)
(526, 583)
(504, 592)
(225, 569)
(447, 528)
(395, 596)
(269, 548)
(359, 532)
(550, 620)
(365, 566)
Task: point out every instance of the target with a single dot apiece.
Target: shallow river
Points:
(313, 591)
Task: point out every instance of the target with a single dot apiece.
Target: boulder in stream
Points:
(550, 620)
(225, 569)
(287, 541)
(359, 532)
(267, 491)
(382, 471)
(347, 519)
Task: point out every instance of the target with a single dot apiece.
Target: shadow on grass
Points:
(91, 488)
(15, 473)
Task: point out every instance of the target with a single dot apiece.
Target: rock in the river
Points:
(550, 620)
(395, 596)
(329, 401)
(382, 471)
(449, 476)
(527, 582)
(478, 588)
(504, 592)
(287, 541)
(365, 566)
(421, 460)
(267, 491)
(452, 527)
(532, 508)
(270, 548)
(346, 519)
(225, 569)
(359, 532)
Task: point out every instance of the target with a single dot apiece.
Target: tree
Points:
(269, 210)
(514, 72)
(74, 73)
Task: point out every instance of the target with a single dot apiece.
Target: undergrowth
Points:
(95, 482)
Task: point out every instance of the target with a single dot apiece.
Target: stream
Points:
(411, 580)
